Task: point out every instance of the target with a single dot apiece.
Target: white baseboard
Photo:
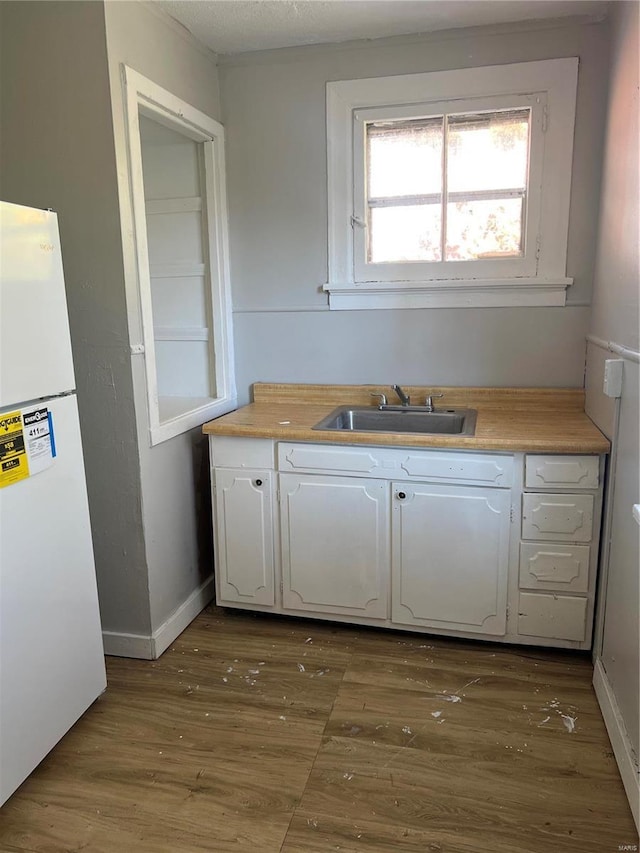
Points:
(127, 645)
(150, 647)
(172, 627)
(619, 739)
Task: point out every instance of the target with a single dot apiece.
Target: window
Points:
(447, 188)
(451, 188)
(177, 168)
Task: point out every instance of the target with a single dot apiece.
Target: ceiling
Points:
(237, 26)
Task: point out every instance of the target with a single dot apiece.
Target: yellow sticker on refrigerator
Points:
(14, 464)
(27, 443)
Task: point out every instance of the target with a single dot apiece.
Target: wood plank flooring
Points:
(262, 734)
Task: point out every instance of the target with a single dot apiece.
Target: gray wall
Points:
(63, 146)
(616, 293)
(57, 151)
(616, 318)
(174, 474)
(273, 109)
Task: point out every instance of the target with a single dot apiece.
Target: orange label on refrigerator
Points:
(14, 464)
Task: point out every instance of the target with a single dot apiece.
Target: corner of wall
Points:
(58, 151)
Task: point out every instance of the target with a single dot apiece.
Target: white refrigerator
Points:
(51, 654)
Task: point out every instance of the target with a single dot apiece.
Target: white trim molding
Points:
(619, 739)
(151, 646)
(143, 96)
(470, 293)
(618, 349)
(175, 624)
(123, 645)
(191, 412)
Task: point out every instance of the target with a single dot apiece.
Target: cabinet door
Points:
(450, 552)
(335, 544)
(244, 536)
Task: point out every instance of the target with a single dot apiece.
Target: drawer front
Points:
(390, 463)
(560, 472)
(555, 617)
(227, 451)
(327, 458)
(559, 567)
(558, 518)
(470, 469)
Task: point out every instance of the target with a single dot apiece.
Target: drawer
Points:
(560, 472)
(391, 463)
(464, 468)
(559, 567)
(328, 458)
(558, 518)
(228, 451)
(555, 617)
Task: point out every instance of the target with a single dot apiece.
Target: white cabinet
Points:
(335, 544)
(243, 506)
(495, 545)
(450, 557)
(557, 567)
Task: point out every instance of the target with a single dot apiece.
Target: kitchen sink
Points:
(400, 419)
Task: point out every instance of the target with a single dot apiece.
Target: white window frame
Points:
(552, 84)
(146, 97)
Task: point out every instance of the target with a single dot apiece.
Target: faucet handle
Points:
(383, 399)
(430, 398)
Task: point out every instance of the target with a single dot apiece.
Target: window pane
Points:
(407, 233)
(488, 151)
(404, 157)
(487, 174)
(484, 229)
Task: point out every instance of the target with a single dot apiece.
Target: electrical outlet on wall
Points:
(613, 377)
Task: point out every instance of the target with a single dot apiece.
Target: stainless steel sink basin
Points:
(369, 419)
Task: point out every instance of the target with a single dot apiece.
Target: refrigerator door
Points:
(51, 655)
(35, 349)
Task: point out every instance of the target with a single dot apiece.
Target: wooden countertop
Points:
(546, 420)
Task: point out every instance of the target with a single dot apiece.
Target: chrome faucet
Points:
(404, 398)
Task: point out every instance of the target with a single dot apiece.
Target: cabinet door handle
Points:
(401, 496)
(258, 482)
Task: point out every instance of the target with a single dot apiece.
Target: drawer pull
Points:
(401, 496)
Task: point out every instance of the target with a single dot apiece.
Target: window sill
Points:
(462, 293)
(181, 414)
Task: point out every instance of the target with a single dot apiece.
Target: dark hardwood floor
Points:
(263, 734)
